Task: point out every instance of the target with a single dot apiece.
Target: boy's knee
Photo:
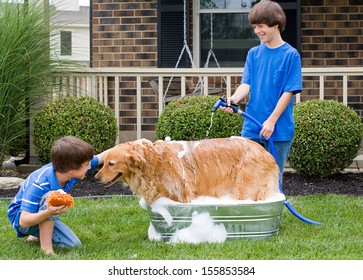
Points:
(78, 243)
(67, 242)
(43, 204)
(75, 242)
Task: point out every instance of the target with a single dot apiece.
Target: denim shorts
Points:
(62, 236)
(282, 149)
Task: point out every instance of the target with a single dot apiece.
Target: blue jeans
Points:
(62, 236)
(282, 149)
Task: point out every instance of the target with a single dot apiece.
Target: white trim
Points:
(196, 37)
(224, 11)
(138, 107)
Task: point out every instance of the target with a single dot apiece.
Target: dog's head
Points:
(121, 162)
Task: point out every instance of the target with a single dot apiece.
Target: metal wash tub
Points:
(250, 220)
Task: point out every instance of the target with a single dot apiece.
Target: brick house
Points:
(151, 33)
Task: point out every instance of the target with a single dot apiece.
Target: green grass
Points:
(116, 229)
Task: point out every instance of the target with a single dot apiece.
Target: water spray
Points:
(223, 102)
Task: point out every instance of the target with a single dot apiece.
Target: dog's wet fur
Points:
(184, 170)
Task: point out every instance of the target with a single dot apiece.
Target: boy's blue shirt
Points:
(271, 72)
(34, 187)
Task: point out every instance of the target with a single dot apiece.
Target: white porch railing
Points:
(95, 82)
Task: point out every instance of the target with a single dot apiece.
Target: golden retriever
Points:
(184, 170)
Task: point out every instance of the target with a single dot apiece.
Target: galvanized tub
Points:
(241, 220)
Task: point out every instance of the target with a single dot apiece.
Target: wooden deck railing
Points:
(96, 82)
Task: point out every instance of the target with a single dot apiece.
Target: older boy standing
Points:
(272, 75)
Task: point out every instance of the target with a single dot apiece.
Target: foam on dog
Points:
(184, 170)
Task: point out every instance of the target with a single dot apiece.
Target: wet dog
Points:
(184, 170)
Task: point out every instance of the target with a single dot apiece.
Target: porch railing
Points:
(95, 82)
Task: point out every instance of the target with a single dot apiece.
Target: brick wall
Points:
(124, 34)
(332, 35)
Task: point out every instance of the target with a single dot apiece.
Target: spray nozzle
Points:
(223, 102)
(216, 106)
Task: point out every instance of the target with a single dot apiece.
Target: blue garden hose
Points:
(223, 102)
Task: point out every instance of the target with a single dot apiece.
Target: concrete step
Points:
(356, 166)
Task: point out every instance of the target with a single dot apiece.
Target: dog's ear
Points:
(135, 158)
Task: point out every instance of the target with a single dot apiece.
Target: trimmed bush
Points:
(327, 138)
(82, 117)
(189, 118)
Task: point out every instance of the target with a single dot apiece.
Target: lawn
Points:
(116, 229)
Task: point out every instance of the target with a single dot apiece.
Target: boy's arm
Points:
(28, 219)
(241, 92)
(269, 124)
(101, 156)
(95, 162)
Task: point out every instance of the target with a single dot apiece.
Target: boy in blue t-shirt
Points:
(72, 158)
(272, 75)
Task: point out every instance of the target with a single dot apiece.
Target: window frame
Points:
(196, 26)
(64, 50)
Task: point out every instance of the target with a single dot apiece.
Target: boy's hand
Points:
(228, 109)
(56, 210)
(267, 129)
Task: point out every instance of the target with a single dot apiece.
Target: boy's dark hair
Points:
(70, 153)
(269, 13)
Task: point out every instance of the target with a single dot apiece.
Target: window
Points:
(66, 42)
(231, 35)
(224, 28)
(171, 33)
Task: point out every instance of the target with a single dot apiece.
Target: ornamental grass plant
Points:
(26, 65)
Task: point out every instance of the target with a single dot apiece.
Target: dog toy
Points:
(58, 198)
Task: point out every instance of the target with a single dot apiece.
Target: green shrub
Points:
(82, 117)
(327, 138)
(189, 118)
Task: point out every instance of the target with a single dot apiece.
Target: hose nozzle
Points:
(223, 102)
(216, 106)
